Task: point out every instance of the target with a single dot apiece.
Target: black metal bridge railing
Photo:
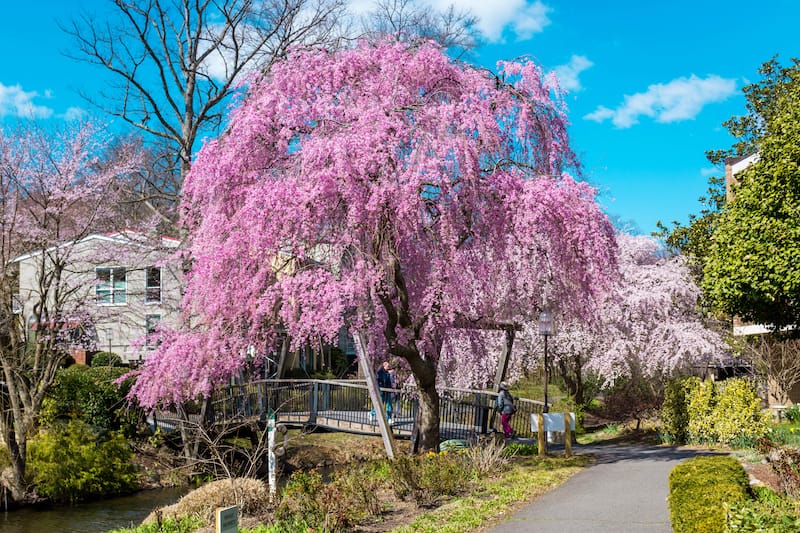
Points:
(344, 405)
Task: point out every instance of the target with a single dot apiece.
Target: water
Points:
(94, 517)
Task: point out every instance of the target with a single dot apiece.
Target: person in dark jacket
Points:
(386, 378)
(386, 381)
(505, 406)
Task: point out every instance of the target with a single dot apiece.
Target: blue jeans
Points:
(386, 398)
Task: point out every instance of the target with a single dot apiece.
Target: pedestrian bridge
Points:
(344, 405)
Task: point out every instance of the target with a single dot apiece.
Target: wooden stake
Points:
(541, 435)
(567, 435)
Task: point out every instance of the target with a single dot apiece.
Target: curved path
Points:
(625, 490)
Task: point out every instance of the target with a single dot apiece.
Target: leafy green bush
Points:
(768, 511)
(674, 413)
(69, 464)
(700, 488)
(106, 359)
(426, 478)
(792, 413)
(738, 418)
(309, 502)
(702, 399)
(728, 412)
(92, 395)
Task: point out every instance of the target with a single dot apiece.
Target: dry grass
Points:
(250, 495)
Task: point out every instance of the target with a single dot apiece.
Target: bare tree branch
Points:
(174, 63)
(778, 359)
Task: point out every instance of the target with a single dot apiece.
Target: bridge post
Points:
(482, 413)
(314, 407)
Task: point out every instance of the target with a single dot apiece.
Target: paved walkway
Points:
(624, 491)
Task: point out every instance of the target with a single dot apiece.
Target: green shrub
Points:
(702, 399)
(737, 416)
(674, 412)
(91, 395)
(700, 488)
(518, 448)
(728, 412)
(69, 464)
(792, 413)
(426, 478)
(309, 502)
(767, 512)
(106, 359)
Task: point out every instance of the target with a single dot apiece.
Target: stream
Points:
(94, 517)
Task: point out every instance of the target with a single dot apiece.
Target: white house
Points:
(122, 283)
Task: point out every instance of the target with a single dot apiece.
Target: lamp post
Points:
(545, 329)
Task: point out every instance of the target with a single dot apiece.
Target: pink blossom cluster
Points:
(387, 189)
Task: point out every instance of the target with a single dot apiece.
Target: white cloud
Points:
(568, 74)
(16, 102)
(680, 99)
(74, 113)
(523, 17)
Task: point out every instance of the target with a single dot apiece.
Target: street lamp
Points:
(545, 329)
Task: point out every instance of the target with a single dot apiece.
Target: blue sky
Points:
(650, 82)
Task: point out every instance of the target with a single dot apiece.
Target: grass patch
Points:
(528, 478)
(533, 389)
(605, 433)
(786, 433)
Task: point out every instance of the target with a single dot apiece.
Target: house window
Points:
(112, 285)
(152, 285)
(151, 328)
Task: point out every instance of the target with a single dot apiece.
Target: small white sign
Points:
(552, 422)
(228, 519)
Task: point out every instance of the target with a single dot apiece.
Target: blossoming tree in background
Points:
(56, 187)
(390, 190)
(648, 327)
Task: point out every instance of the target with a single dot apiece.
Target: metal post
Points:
(546, 402)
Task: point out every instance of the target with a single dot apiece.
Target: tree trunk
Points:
(424, 371)
(428, 419)
(17, 481)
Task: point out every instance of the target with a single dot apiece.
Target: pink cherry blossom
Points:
(388, 189)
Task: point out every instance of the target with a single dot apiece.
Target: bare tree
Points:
(778, 359)
(175, 63)
(454, 29)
